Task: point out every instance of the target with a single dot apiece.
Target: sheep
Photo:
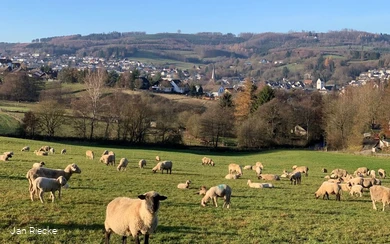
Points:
(89, 154)
(158, 159)
(112, 157)
(324, 170)
(355, 181)
(222, 190)
(380, 194)
(268, 177)
(232, 176)
(295, 177)
(258, 170)
(259, 164)
(63, 151)
(44, 148)
(247, 167)
(259, 185)
(142, 163)
(328, 188)
(126, 216)
(34, 173)
(302, 169)
(105, 152)
(9, 154)
(4, 157)
(207, 161)
(25, 149)
(43, 184)
(362, 171)
(338, 173)
(38, 165)
(369, 182)
(167, 165)
(184, 185)
(122, 164)
(372, 173)
(285, 174)
(358, 189)
(382, 173)
(40, 153)
(202, 190)
(107, 159)
(52, 150)
(235, 168)
(345, 187)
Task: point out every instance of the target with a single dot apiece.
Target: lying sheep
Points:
(302, 169)
(122, 164)
(142, 163)
(34, 173)
(184, 185)
(107, 159)
(43, 184)
(38, 165)
(89, 154)
(164, 165)
(328, 188)
(44, 149)
(235, 168)
(248, 167)
(232, 176)
(284, 174)
(126, 216)
(295, 177)
(63, 151)
(25, 149)
(268, 177)
(259, 185)
(222, 190)
(356, 189)
(40, 153)
(382, 173)
(9, 154)
(4, 157)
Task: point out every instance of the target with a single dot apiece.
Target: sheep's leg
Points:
(136, 238)
(146, 241)
(107, 234)
(124, 239)
(373, 205)
(215, 201)
(59, 193)
(41, 195)
(53, 196)
(32, 193)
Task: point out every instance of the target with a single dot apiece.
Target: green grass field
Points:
(285, 214)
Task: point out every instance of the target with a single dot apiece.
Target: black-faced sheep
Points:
(328, 188)
(89, 154)
(63, 151)
(235, 168)
(302, 169)
(43, 184)
(259, 185)
(222, 190)
(380, 194)
(126, 216)
(4, 157)
(184, 185)
(232, 176)
(38, 165)
(142, 163)
(295, 177)
(25, 149)
(382, 173)
(164, 165)
(122, 164)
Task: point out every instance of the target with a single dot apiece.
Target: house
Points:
(320, 84)
(179, 86)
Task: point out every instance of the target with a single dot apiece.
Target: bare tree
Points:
(51, 116)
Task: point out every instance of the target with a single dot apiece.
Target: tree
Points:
(30, 123)
(285, 72)
(226, 100)
(113, 77)
(51, 116)
(263, 96)
(243, 101)
(20, 87)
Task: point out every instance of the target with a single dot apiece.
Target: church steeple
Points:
(213, 74)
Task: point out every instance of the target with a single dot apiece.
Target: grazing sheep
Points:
(107, 159)
(40, 153)
(324, 170)
(44, 148)
(258, 170)
(184, 185)
(358, 189)
(158, 159)
(355, 181)
(259, 185)
(328, 188)
(43, 184)
(362, 171)
(372, 174)
(89, 154)
(295, 177)
(368, 182)
(122, 164)
(207, 161)
(38, 165)
(52, 150)
(302, 169)
(34, 173)
(382, 173)
(25, 149)
(232, 176)
(248, 167)
(268, 177)
(63, 151)
(126, 216)
(235, 168)
(345, 187)
(202, 190)
(142, 163)
(338, 173)
(105, 152)
(222, 190)
(167, 165)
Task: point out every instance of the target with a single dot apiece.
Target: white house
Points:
(320, 84)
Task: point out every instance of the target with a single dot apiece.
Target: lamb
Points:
(258, 170)
(126, 216)
(382, 173)
(207, 161)
(122, 164)
(34, 173)
(40, 153)
(43, 184)
(222, 190)
(202, 190)
(38, 165)
(295, 177)
(184, 185)
(380, 194)
(167, 165)
(248, 167)
(302, 169)
(338, 173)
(232, 176)
(107, 159)
(52, 150)
(63, 151)
(324, 170)
(268, 177)
(328, 188)
(259, 185)
(158, 159)
(142, 163)
(9, 154)
(89, 154)
(25, 149)
(362, 171)
(358, 189)
(235, 168)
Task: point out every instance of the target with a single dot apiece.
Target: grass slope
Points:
(285, 214)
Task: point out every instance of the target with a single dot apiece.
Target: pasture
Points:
(286, 214)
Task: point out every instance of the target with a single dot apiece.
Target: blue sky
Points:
(25, 20)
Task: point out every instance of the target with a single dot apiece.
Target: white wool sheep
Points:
(302, 169)
(142, 163)
(222, 190)
(184, 185)
(372, 173)
(246, 167)
(207, 161)
(202, 190)
(126, 216)
(268, 177)
(25, 149)
(362, 171)
(355, 181)
(122, 164)
(259, 164)
(295, 177)
(38, 165)
(235, 168)
(380, 194)
(259, 185)
(34, 173)
(43, 184)
(52, 150)
(345, 187)
(158, 159)
(164, 165)
(4, 157)
(107, 159)
(232, 176)
(338, 173)
(382, 173)
(105, 152)
(258, 170)
(63, 151)
(369, 182)
(40, 153)
(328, 188)
(9, 154)
(356, 189)
(89, 154)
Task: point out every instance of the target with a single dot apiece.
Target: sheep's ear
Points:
(162, 198)
(142, 197)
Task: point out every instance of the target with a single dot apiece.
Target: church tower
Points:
(213, 74)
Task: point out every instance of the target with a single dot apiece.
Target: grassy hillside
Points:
(8, 124)
(285, 214)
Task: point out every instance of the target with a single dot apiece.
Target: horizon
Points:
(34, 20)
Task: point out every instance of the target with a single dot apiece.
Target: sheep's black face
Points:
(152, 200)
